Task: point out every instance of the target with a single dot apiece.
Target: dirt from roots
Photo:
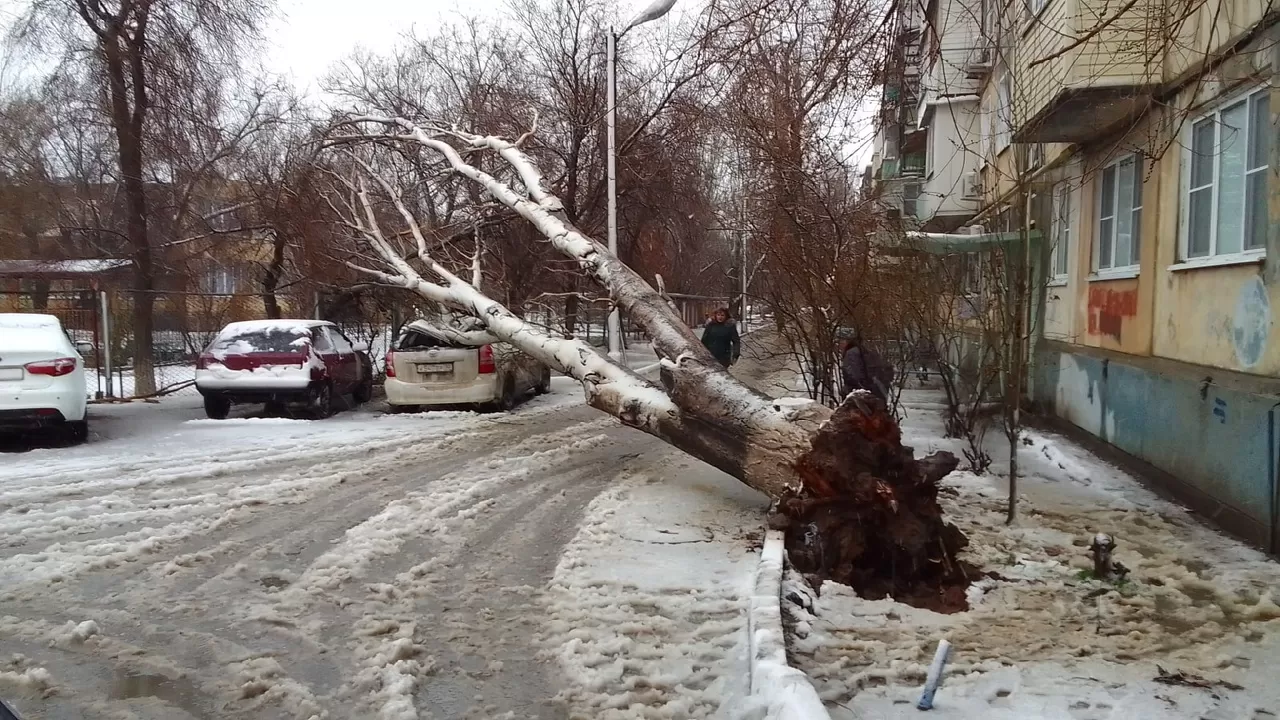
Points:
(869, 515)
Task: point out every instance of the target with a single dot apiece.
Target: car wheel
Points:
(322, 401)
(77, 431)
(544, 383)
(216, 408)
(506, 402)
(363, 392)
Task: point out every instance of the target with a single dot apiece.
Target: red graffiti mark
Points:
(1108, 308)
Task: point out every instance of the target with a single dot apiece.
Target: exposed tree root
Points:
(869, 517)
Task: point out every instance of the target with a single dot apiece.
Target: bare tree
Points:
(149, 57)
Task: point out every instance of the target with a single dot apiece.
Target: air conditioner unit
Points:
(972, 185)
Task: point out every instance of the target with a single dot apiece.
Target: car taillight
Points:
(487, 366)
(52, 368)
(391, 363)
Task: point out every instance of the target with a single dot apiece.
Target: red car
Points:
(282, 362)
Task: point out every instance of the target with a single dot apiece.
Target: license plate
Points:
(11, 373)
(435, 367)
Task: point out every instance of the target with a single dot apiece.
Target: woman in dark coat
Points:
(720, 336)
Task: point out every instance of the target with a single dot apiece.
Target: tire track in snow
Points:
(185, 607)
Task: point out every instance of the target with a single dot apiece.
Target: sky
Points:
(308, 36)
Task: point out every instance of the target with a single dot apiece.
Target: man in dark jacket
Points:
(862, 368)
(720, 336)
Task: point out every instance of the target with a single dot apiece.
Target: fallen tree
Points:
(861, 510)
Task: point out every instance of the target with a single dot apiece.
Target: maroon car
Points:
(283, 362)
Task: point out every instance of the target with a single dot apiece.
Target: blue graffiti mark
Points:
(1251, 326)
(1220, 409)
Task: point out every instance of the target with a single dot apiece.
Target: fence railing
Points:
(184, 323)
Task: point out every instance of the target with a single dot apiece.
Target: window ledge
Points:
(1060, 281)
(1245, 258)
(1121, 273)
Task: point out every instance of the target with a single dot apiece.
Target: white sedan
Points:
(42, 379)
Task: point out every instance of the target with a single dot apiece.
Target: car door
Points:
(322, 346)
(348, 368)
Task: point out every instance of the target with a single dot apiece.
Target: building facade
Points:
(1144, 139)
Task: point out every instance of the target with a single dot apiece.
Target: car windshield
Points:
(260, 341)
(418, 340)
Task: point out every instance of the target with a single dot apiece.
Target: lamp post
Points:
(653, 12)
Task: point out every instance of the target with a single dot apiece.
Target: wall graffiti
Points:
(1108, 308)
(1251, 324)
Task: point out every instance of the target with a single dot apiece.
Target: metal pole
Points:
(106, 343)
(611, 169)
(745, 274)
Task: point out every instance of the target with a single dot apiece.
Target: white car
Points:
(42, 378)
(426, 370)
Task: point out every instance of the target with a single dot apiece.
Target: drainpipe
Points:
(1272, 472)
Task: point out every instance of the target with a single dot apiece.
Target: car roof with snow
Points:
(246, 327)
(29, 321)
(28, 332)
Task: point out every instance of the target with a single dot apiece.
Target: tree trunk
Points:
(271, 280)
(861, 509)
(128, 109)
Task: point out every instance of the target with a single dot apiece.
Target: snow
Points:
(28, 321)
(301, 327)
(647, 609)
(1042, 639)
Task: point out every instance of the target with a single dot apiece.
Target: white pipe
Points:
(934, 679)
(106, 343)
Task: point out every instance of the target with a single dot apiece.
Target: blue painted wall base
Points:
(1213, 441)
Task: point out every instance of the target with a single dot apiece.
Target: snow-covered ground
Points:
(1042, 639)
(545, 563)
(647, 607)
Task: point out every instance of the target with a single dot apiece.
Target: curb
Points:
(785, 692)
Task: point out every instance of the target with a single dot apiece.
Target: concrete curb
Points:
(784, 692)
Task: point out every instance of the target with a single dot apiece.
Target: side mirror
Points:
(360, 347)
(84, 347)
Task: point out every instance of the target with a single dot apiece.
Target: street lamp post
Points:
(653, 12)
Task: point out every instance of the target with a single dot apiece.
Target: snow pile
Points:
(20, 676)
(647, 608)
(1044, 639)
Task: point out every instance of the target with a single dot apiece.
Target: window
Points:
(1225, 180)
(320, 340)
(1118, 233)
(339, 341)
(1035, 6)
(1035, 156)
(1004, 111)
(220, 280)
(1061, 229)
(910, 194)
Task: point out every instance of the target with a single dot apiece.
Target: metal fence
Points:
(184, 323)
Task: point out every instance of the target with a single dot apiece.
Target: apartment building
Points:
(1143, 138)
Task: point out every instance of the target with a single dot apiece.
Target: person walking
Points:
(862, 368)
(720, 337)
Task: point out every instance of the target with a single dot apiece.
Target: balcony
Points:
(1074, 94)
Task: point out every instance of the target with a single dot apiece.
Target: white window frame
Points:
(1062, 227)
(1131, 267)
(1245, 254)
(1004, 109)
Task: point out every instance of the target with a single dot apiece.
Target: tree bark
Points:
(127, 88)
